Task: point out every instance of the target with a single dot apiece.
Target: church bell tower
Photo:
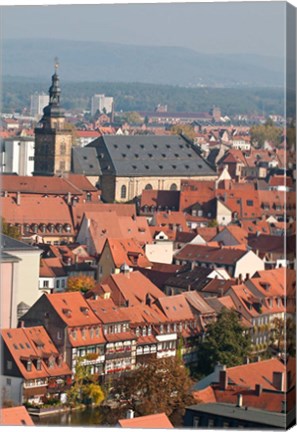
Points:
(53, 137)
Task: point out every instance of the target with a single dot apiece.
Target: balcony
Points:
(119, 353)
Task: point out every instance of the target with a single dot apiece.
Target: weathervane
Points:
(56, 64)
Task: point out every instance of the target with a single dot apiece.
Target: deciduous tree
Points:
(226, 342)
(161, 385)
(80, 283)
(183, 129)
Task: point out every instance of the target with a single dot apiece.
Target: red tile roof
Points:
(176, 308)
(73, 309)
(36, 210)
(132, 287)
(39, 185)
(124, 250)
(32, 343)
(107, 312)
(51, 268)
(93, 207)
(153, 421)
(15, 416)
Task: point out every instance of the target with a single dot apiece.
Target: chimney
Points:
(18, 198)
(247, 276)
(240, 278)
(239, 400)
(189, 287)
(22, 324)
(258, 389)
(223, 379)
(278, 381)
(130, 414)
(69, 198)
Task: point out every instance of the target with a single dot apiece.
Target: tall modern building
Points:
(38, 102)
(101, 103)
(53, 138)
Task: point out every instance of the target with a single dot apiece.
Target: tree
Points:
(80, 283)
(226, 342)
(283, 335)
(161, 385)
(10, 230)
(213, 223)
(183, 129)
(268, 132)
(133, 118)
(85, 389)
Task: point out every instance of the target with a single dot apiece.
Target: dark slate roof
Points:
(196, 278)
(85, 161)
(249, 415)
(149, 155)
(10, 244)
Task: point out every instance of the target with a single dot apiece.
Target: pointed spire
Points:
(55, 90)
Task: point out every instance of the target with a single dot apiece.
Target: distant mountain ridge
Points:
(102, 61)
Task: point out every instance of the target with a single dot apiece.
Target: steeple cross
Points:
(56, 64)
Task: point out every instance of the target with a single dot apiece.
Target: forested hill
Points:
(101, 61)
(145, 97)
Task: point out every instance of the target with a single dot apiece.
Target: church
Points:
(121, 166)
(129, 164)
(53, 137)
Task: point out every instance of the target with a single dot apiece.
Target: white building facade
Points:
(101, 103)
(17, 156)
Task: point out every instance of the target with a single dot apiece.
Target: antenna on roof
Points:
(56, 64)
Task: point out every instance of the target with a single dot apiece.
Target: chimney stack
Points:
(278, 381)
(223, 379)
(258, 389)
(69, 198)
(239, 400)
(18, 198)
(130, 414)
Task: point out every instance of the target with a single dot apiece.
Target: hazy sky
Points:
(252, 27)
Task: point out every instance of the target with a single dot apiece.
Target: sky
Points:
(243, 27)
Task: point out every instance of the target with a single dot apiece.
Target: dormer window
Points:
(149, 330)
(143, 331)
(42, 228)
(137, 331)
(51, 228)
(35, 228)
(29, 366)
(67, 227)
(59, 228)
(38, 364)
(85, 310)
(161, 328)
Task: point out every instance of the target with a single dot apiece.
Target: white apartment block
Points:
(101, 103)
(38, 102)
(17, 156)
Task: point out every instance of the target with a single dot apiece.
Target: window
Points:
(29, 366)
(173, 187)
(9, 364)
(31, 158)
(38, 364)
(63, 149)
(57, 284)
(250, 203)
(62, 165)
(45, 284)
(148, 187)
(123, 191)
(59, 335)
(8, 381)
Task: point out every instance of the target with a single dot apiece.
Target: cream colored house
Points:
(26, 277)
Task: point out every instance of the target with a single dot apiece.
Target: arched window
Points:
(123, 191)
(148, 186)
(173, 187)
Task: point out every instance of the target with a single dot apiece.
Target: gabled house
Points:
(73, 326)
(235, 260)
(120, 348)
(120, 252)
(52, 276)
(32, 367)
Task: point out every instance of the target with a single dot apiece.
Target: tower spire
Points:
(54, 90)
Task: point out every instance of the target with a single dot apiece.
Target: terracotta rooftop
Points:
(127, 251)
(15, 416)
(153, 421)
(215, 255)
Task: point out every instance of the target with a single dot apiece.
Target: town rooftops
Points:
(152, 421)
(149, 155)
